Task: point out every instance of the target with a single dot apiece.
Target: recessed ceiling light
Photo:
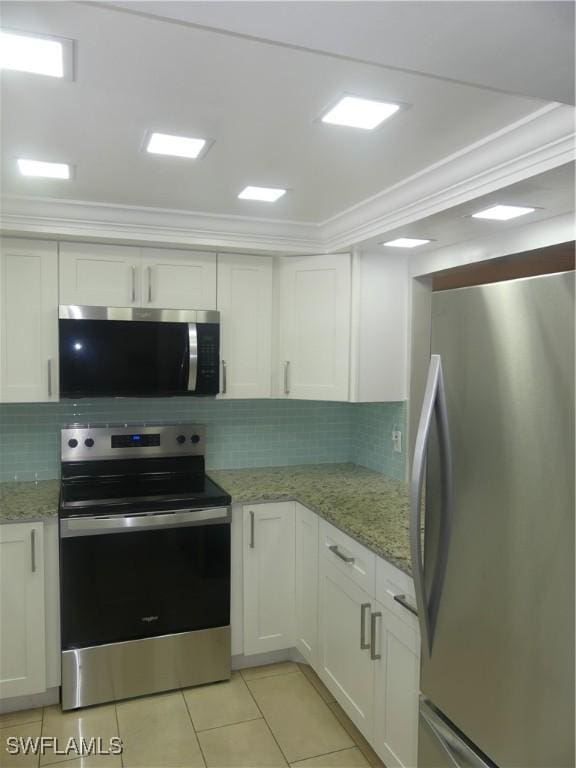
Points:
(178, 146)
(41, 168)
(406, 242)
(25, 53)
(360, 113)
(503, 212)
(264, 194)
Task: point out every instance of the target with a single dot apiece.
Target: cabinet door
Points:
(307, 583)
(344, 666)
(245, 304)
(396, 690)
(268, 577)
(99, 275)
(28, 321)
(174, 279)
(22, 645)
(314, 327)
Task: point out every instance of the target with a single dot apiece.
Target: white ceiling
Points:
(525, 48)
(258, 101)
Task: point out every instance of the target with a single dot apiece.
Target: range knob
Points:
(181, 439)
(195, 438)
(72, 442)
(89, 442)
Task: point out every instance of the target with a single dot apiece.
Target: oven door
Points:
(145, 575)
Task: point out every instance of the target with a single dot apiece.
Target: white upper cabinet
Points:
(178, 279)
(314, 327)
(245, 305)
(22, 630)
(28, 321)
(99, 275)
(125, 276)
(379, 344)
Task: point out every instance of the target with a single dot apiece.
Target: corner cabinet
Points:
(125, 276)
(314, 327)
(245, 305)
(28, 321)
(269, 558)
(307, 583)
(22, 623)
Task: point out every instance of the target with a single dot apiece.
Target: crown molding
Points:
(541, 141)
(76, 219)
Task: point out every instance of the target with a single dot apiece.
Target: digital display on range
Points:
(135, 441)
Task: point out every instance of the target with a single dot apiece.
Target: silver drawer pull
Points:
(405, 604)
(33, 550)
(342, 556)
(373, 655)
(364, 646)
(251, 529)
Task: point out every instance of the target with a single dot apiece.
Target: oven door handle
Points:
(94, 526)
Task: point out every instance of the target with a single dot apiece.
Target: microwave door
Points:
(192, 357)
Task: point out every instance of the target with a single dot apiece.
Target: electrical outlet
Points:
(397, 441)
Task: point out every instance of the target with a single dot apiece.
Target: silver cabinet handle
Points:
(434, 404)
(364, 646)
(334, 548)
(149, 285)
(49, 377)
(33, 550)
(133, 271)
(251, 529)
(224, 383)
(405, 604)
(373, 655)
(286, 384)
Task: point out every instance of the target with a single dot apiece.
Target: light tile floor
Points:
(276, 715)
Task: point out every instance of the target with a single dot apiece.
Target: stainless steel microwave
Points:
(133, 352)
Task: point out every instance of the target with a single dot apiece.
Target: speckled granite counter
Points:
(28, 502)
(364, 504)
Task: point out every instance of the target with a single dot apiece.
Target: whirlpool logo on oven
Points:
(150, 619)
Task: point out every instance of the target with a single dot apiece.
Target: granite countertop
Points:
(369, 507)
(27, 502)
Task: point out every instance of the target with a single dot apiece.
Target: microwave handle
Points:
(192, 357)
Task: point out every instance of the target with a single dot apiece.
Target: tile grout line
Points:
(119, 734)
(262, 713)
(194, 729)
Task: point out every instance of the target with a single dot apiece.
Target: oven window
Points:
(130, 585)
(115, 358)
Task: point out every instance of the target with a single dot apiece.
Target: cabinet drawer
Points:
(350, 557)
(393, 583)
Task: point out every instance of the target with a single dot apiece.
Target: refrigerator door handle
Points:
(458, 753)
(434, 404)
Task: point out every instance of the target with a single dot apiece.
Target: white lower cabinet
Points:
(344, 663)
(269, 577)
(307, 583)
(396, 690)
(22, 622)
(348, 612)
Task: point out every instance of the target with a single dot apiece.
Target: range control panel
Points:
(81, 443)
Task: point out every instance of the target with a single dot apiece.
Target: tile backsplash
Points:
(241, 433)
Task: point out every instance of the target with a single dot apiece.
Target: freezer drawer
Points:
(439, 746)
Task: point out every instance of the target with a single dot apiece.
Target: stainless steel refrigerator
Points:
(493, 538)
